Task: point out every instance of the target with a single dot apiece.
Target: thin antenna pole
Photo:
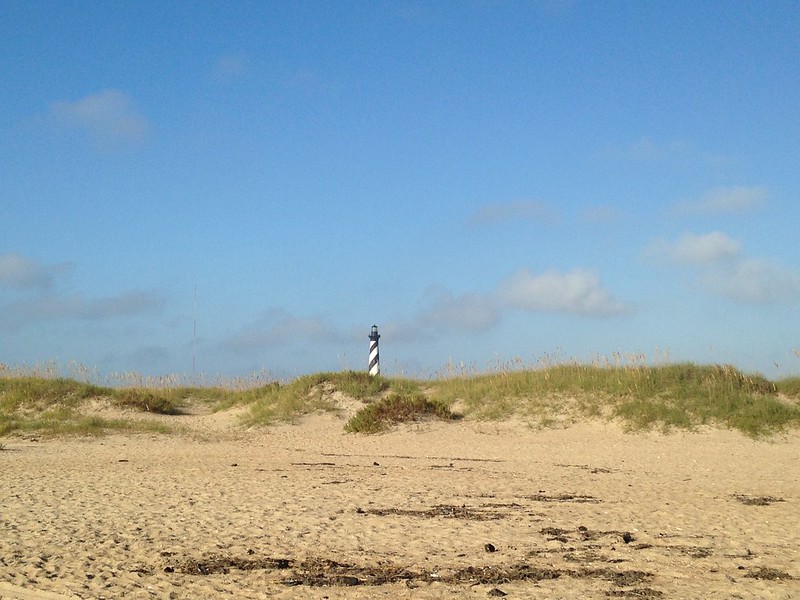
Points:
(194, 329)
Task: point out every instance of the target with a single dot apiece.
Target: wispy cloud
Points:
(576, 292)
(33, 295)
(753, 281)
(413, 13)
(122, 305)
(646, 149)
(465, 313)
(693, 249)
(20, 272)
(726, 200)
(152, 357)
(301, 79)
(719, 268)
(603, 213)
(21, 313)
(649, 151)
(277, 327)
(109, 118)
(521, 210)
(230, 67)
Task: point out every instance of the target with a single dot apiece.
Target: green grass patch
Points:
(640, 397)
(789, 386)
(54, 407)
(36, 393)
(683, 396)
(57, 423)
(171, 401)
(54, 404)
(396, 408)
(358, 385)
(276, 403)
(309, 394)
(153, 401)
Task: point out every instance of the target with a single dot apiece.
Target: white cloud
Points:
(229, 68)
(401, 330)
(726, 200)
(719, 268)
(677, 153)
(15, 315)
(555, 7)
(577, 292)
(413, 13)
(20, 272)
(692, 249)
(603, 213)
(753, 281)
(109, 117)
(279, 327)
(301, 78)
(446, 313)
(122, 305)
(522, 210)
(646, 149)
(38, 297)
(152, 357)
(469, 312)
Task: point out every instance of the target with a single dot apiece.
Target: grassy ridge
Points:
(54, 406)
(38, 404)
(276, 402)
(684, 396)
(396, 408)
(642, 397)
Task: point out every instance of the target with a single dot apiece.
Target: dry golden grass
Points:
(640, 396)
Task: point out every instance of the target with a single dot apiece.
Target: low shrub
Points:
(396, 408)
(790, 386)
(145, 400)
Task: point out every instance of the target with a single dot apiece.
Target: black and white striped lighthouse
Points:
(374, 358)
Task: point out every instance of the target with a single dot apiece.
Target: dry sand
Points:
(433, 510)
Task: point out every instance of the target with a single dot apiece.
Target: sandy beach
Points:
(429, 510)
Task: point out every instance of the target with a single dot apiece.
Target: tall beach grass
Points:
(640, 396)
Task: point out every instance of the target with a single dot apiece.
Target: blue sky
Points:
(254, 184)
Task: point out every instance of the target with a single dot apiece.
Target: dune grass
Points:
(684, 396)
(38, 393)
(789, 386)
(65, 423)
(305, 395)
(640, 397)
(396, 408)
(54, 407)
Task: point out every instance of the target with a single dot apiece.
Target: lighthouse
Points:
(374, 358)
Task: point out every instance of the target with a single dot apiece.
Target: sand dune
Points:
(434, 510)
